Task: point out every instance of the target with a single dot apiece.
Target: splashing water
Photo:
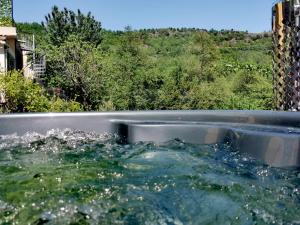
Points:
(72, 177)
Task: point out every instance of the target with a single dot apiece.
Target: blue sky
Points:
(254, 15)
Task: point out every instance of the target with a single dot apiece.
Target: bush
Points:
(60, 105)
(6, 22)
(23, 95)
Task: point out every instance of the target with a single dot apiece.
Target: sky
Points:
(253, 16)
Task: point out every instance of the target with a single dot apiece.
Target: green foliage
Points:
(174, 68)
(62, 23)
(75, 67)
(6, 22)
(6, 9)
(60, 105)
(27, 30)
(31, 28)
(253, 91)
(22, 95)
(207, 53)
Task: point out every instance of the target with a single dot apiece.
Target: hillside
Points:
(160, 69)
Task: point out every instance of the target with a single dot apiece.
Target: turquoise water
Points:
(72, 177)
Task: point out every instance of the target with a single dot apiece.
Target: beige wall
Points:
(28, 72)
(11, 42)
(8, 31)
(9, 35)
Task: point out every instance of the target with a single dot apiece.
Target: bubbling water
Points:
(72, 177)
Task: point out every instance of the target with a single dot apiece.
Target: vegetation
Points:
(25, 96)
(61, 24)
(152, 69)
(6, 13)
(6, 22)
(31, 28)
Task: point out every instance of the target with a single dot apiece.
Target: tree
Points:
(128, 61)
(60, 24)
(207, 53)
(75, 67)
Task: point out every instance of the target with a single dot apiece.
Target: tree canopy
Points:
(62, 23)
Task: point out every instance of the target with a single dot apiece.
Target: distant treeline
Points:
(36, 28)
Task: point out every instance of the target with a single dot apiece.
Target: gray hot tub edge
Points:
(273, 137)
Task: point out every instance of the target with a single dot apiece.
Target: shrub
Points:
(60, 105)
(6, 22)
(23, 95)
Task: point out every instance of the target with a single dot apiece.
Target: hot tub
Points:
(273, 137)
(171, 167)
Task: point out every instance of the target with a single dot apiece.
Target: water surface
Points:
(72, 177)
